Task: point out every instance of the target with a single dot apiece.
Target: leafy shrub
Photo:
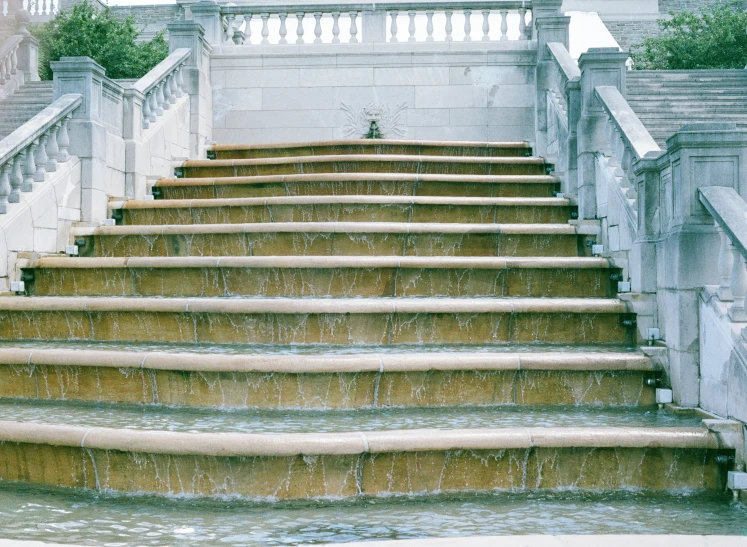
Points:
(714, 38)
(92, 32)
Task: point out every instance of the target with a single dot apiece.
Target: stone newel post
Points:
(599, 67)
(28, 51)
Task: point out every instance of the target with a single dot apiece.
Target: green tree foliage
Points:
(714, 38)
(89, 31)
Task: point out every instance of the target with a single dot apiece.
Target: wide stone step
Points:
(318, 276)
(364, 163)
(350, 379)
(369, 146)
(344, 209)
(362, 184)
(355, 463)
(334, 238)
(381, 321)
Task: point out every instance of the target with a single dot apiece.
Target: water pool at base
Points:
(86, 518)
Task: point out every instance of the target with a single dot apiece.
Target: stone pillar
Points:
(698, 155)
(28, 51)
(206, 13)
(196, 76)
(88, 133)
(599, 67)
(549, 26)
(374, 26)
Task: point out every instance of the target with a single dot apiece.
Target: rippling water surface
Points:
(88, 519)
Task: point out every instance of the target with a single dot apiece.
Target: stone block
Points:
(339, 77)
(411, 76)
(451, 97)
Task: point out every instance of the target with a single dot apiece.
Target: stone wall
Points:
(150, 19)
(462, 91)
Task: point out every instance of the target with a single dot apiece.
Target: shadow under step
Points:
(380, 321)
(347, 380)
(334, 238)
(364, 163)
(361, 463)
(369, 146)
(344, 209)
(319, 276)
(327, 184)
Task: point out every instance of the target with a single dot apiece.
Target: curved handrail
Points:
(161, 86)
(631, 129)
(163, 69)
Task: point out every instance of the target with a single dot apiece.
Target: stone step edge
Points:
(338, 228)
(352, 443)
(319, 262)
(370, 142)
(379, 158)
(335, 200)
(356, 177)
(331, 363)
(315, 306)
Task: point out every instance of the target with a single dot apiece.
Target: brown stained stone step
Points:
(359, 184)
(316, 276)
(343, 209)
(365, 146)
(309, 465)
(364, 163)
(334, 238)
(319, 321)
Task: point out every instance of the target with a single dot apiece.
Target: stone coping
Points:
(330, 363)
(313, 306)
(371, 142)
(343, 200)
(555, 541)
(378, 158)
(331, 228)
(320, 262)
(317, 444)
(356, 177)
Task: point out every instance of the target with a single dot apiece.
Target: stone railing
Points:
(500, 20)
(626, 141)
(161, 87)
(35, 149)
(38, 10)
(9, 59)
(563, 109)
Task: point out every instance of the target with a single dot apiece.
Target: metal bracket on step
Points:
(156, 192)
(179, 172)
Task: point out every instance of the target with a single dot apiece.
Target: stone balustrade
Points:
(162, 86)
(626, 140)
(9, 59)
(38, 10)
(388, 21)
(35, 149)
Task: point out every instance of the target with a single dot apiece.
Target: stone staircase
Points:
(667, 100)
(339, 319)
(24, 104)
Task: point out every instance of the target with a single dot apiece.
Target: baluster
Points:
(43, 7)
(145, 111)
(725, 265)
(283, 30)
(29, 168)
(152, 106)
(609, 135)
(171, 83)
(52, 149)
(429, 25)
(265, 28)
(14, 61)
(229, 28)
(4, 187)
(393, 27)
(51, 7)
(467, 25)
(624, 162)
(248, 28)
(318, 27)
(16, 179)
(411, 27)
(523, 24)
(163, 100)
(738, 286)
(299, 27)
(4, 76)
(449, 27)
(504, 24)
(158, 94)
(335, 27)
(353, 27)
(41, 160)
(180, 80)
(632, 192)
(63, 141)
(617, 153)
(486, 25)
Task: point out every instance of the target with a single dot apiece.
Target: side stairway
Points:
(665, 100)
(434, 300)
(24, 104)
